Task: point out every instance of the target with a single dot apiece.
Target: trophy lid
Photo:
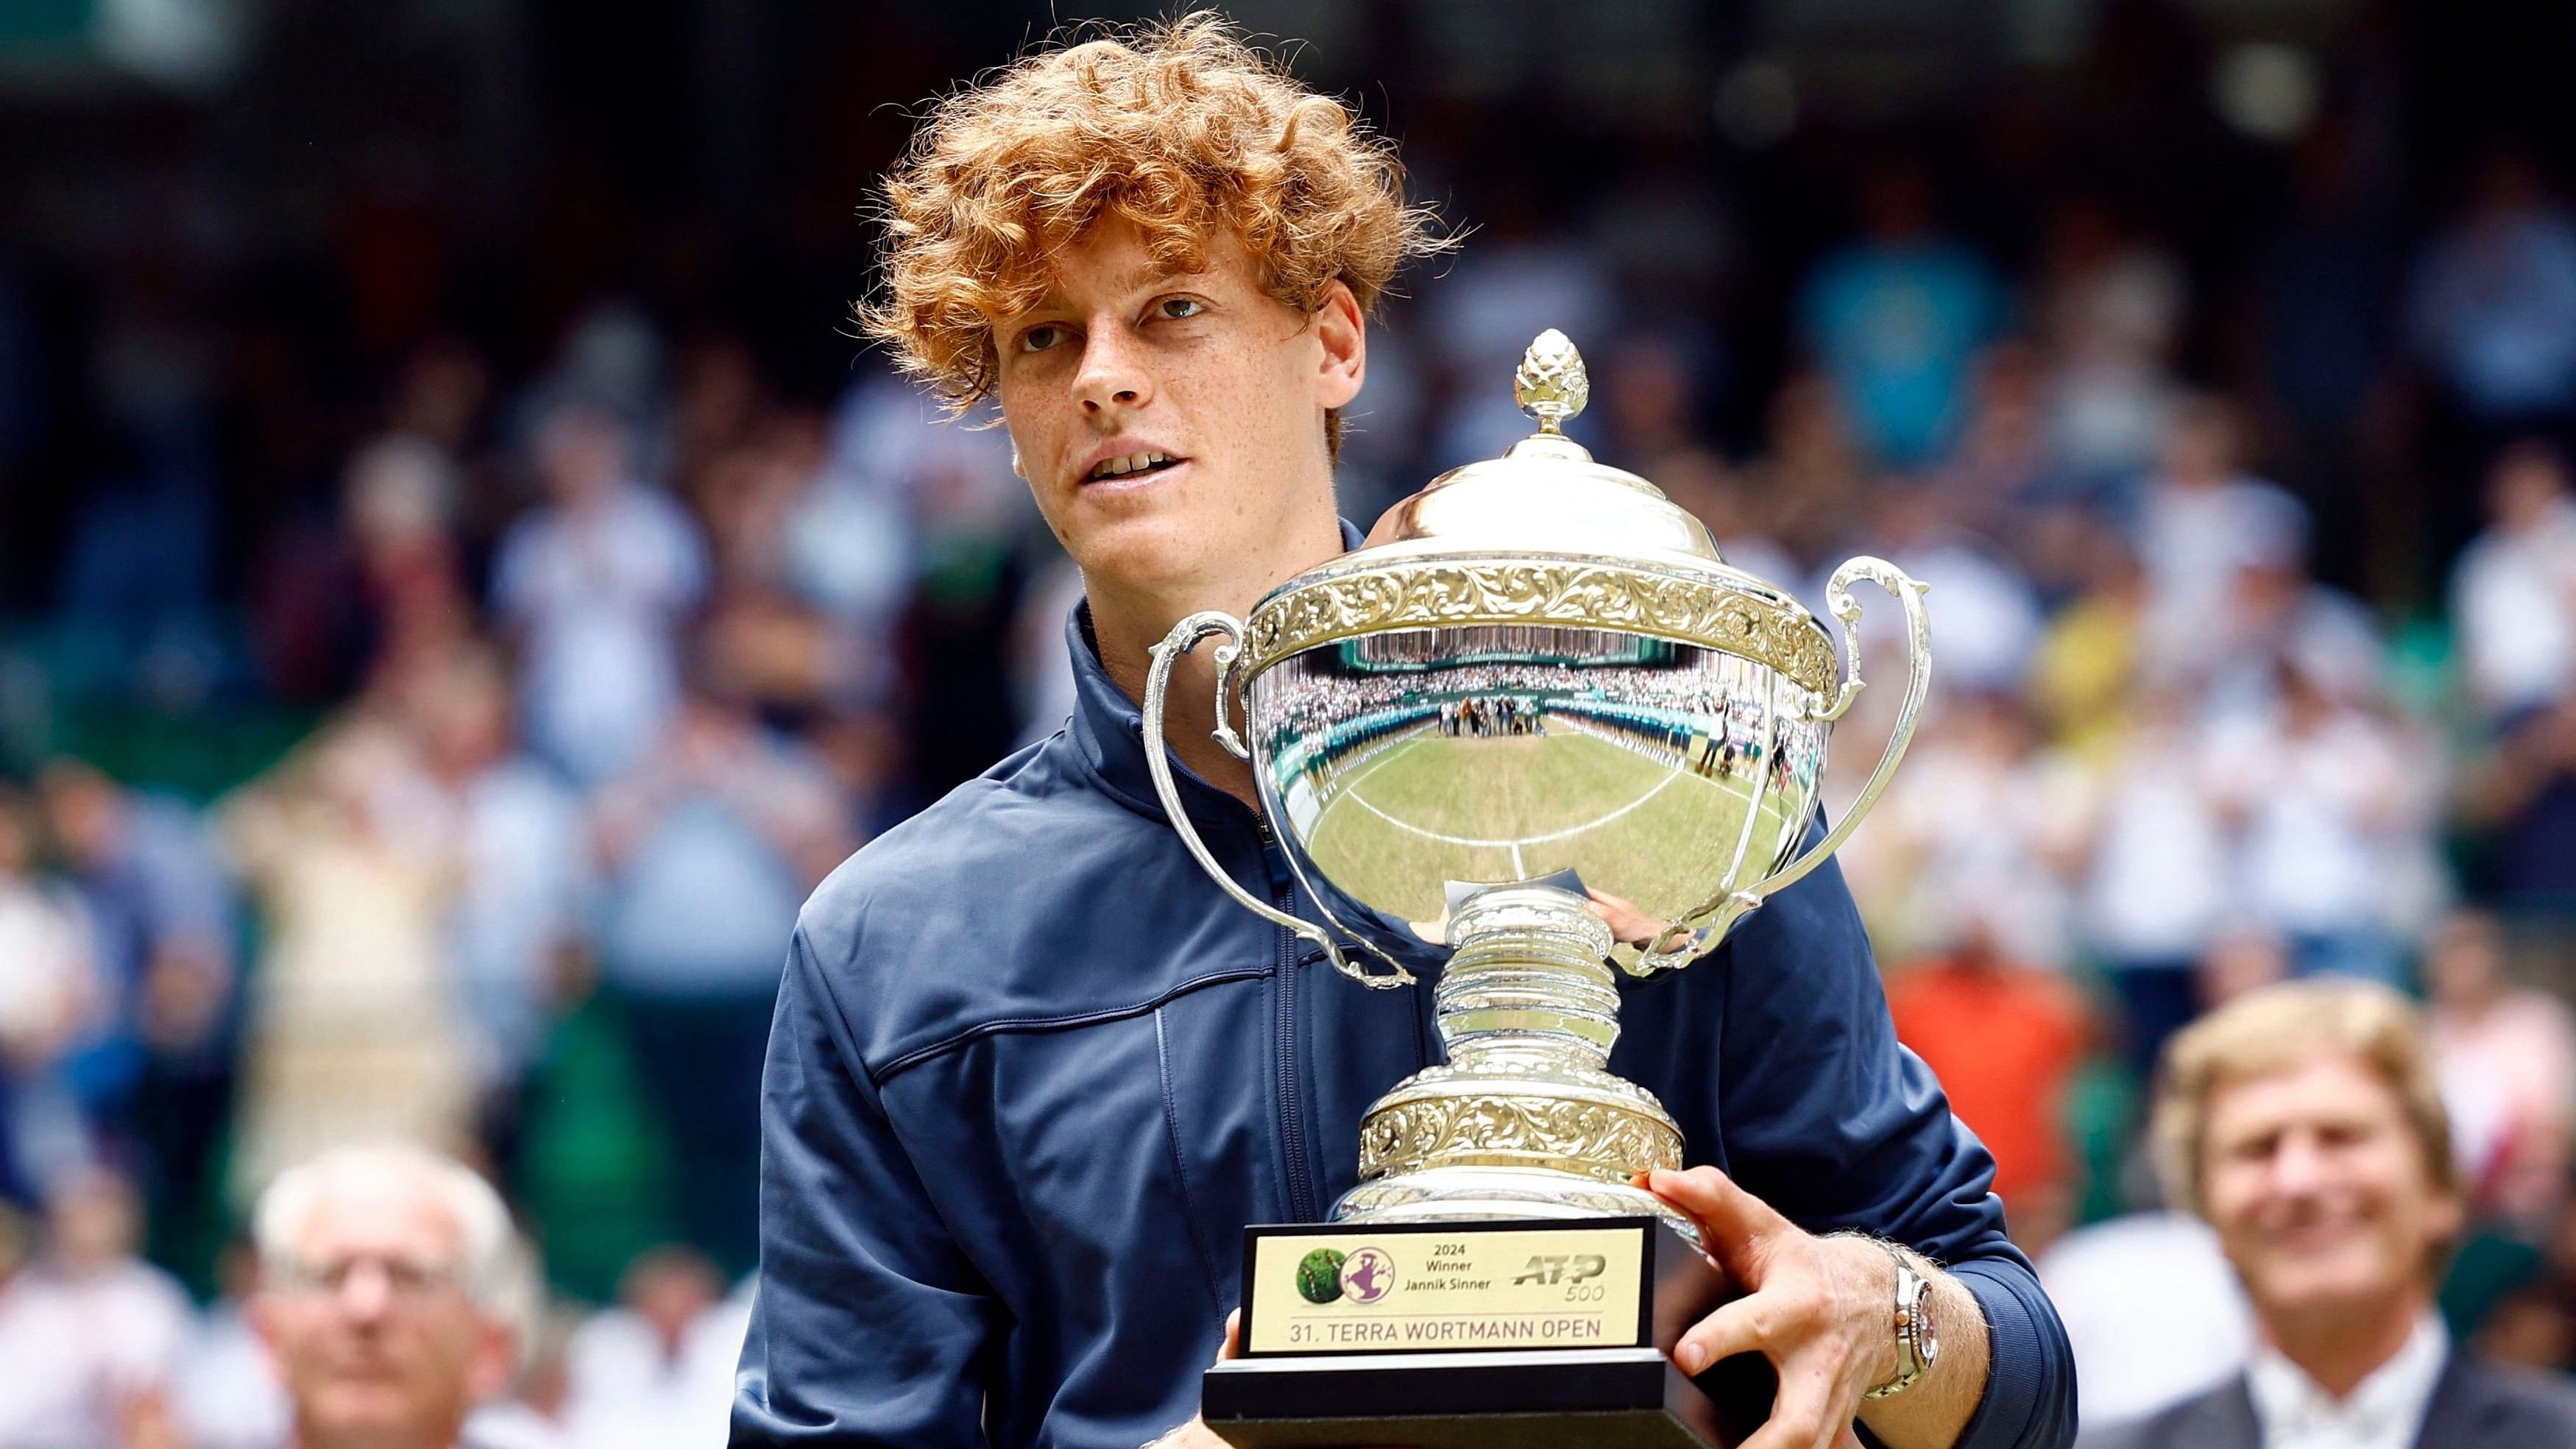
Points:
(1542, 535)
(1545, 493)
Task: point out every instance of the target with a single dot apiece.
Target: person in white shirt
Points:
(657, 1371)
(2200, 519)
(390, 1287)
(2513, 595)
(2304, 1122)
(89, 1333)
(595, 588)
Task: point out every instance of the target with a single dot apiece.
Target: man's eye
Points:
(1176, 308)
(1041, 337)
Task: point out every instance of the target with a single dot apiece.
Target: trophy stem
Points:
(1524, 1120)
(1529, 979)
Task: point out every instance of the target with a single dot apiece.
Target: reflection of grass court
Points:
(1530, 805)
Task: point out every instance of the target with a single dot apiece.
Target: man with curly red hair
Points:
(1032, 1072)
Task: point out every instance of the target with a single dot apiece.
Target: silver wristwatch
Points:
(1918, 1344)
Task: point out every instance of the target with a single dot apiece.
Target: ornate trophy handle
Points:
(1908, 592)
(1184, 637)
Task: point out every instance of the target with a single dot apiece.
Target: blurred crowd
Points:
(463, 790)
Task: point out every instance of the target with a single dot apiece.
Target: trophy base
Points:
(1541, 1332)
(1599, 1398)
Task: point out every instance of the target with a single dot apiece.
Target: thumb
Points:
(1735, 1226)
(1233, 1345)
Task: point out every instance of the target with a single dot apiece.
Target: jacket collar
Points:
(1109, 729)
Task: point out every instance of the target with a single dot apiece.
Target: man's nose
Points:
(1113, 374)
(2299, 1164)
(368, 1292)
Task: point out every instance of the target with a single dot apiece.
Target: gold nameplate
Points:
(1446, 1287)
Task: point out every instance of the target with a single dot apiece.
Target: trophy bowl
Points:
(1538, 722)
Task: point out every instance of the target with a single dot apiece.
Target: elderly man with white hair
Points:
(392, 1284)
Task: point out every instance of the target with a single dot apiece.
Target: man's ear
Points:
(1344, 335)
(260, 1312)
(496, 1360)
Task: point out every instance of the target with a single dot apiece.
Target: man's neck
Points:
(1128, 624)
(2341, 1347)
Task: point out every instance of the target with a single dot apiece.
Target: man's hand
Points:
(1823, 1310)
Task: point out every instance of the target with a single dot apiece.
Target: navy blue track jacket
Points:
(1032, 1073)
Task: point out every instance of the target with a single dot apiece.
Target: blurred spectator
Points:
(2317, 792)
(50, 995)
(2156, 885)
(2513, 597)
(402, 503)
(90, 1333)
(157, 1068)
(2507, 1059)
(2111, 310)
(1971, 841)
(1895, 318)
(2201, 519)
(2004, 1039)
(2492, 306)
(595, 586)
(2085, 679)
(353, 1032)
(656, 1372)
(708, 849)
(2520, 795)
(2303, 1122)
(521, 876)
(1988, 625)
(1521, 278)
(385, 1300)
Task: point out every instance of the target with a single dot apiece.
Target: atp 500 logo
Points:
(1554, 1268)
(1329, 1276)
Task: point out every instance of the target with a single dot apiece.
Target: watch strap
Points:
(1913, 1303)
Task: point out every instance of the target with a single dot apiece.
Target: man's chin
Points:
(360, 1410)
(2324, 1294)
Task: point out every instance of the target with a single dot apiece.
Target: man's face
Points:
(2320, 1191)
(374, 1335)
(1215, 386)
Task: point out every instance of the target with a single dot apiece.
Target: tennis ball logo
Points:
(1319, 1276)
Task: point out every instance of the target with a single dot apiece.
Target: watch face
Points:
(1927, 1339)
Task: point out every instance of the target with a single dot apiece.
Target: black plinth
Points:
(1332, 1316)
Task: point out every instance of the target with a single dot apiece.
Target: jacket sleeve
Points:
(869, 1326)
(1829, 1120)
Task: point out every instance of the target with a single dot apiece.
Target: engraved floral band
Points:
(1714, 612)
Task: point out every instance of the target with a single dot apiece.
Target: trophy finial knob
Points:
(1550, 385)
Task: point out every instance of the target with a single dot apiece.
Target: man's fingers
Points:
(1735, 1328)
(1805, 1414)
(1731, 1220)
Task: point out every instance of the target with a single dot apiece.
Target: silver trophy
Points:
(1537, 700)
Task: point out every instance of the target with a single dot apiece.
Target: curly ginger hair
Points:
(1180, 128)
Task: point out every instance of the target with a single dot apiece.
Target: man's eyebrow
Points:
(1152, 275)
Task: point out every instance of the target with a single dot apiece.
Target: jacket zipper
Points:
(1302, 1206)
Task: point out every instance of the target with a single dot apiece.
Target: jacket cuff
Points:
(2029, 1401)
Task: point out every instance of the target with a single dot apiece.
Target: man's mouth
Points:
(1132, 464)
